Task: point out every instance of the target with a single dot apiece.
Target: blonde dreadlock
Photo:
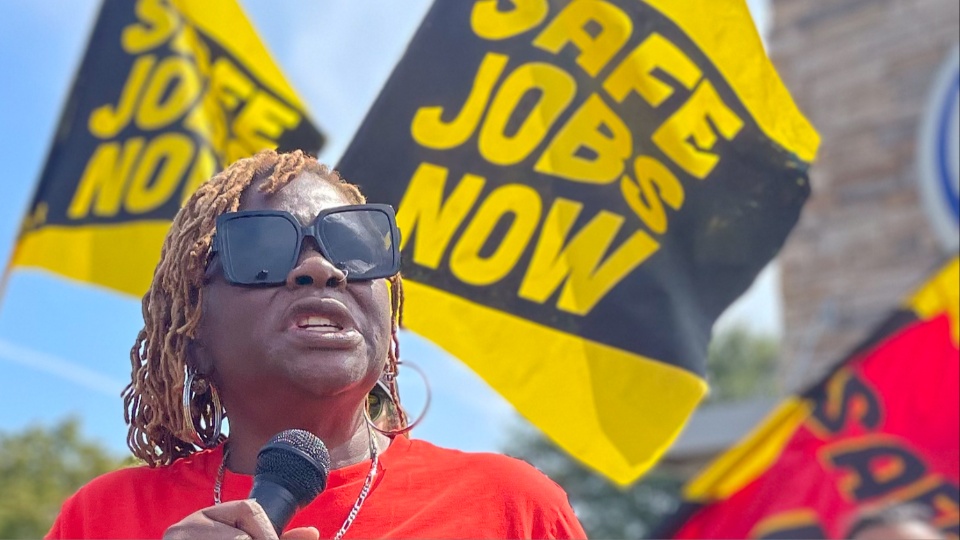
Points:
(158, 425)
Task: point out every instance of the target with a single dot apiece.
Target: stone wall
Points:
(861, 71)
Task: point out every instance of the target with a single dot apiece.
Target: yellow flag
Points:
(167, 94)
(583, 186)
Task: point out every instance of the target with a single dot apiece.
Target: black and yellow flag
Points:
(582, 187)
(169, 92)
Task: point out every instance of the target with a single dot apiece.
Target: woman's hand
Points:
(233, 520)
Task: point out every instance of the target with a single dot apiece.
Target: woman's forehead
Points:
(304, 197)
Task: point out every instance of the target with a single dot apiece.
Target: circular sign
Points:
(938, 154)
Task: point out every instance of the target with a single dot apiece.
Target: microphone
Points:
(292, 470)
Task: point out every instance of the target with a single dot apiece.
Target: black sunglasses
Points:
(261, 247)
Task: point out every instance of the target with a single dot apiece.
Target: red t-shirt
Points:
(421, 491)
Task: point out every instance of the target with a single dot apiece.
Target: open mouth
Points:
(318, 323)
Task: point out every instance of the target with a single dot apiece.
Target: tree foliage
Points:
(741, 365)
(39, 468)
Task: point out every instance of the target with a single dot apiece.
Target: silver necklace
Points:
(374, 460)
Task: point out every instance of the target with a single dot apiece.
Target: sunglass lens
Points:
(360, 242)
(261, 249)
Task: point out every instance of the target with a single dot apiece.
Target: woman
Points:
(277, 338)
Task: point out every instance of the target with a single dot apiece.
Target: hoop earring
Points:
(391, 376)
(375, 403)
(201, 386)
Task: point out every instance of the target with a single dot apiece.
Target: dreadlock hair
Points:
(159, 427)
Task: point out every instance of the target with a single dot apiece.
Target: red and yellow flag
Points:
(882, 428)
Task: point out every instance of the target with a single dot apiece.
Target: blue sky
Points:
(64, 346)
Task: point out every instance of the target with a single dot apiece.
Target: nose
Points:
(314, 269)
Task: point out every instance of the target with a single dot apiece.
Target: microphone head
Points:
(297, 460)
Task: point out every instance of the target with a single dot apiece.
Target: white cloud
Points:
(59, 367)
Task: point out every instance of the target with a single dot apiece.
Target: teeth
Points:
(316, 320)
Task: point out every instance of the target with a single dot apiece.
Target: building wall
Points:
(861, 71)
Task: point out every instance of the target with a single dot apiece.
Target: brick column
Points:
(861, 70)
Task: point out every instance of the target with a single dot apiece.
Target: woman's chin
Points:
(326, 378)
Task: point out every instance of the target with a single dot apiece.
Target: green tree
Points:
(740, 365)
(39, 468)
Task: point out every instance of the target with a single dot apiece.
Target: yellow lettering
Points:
(104, 178)
(635, 73)
(690, 122)
(556, 89)
(106, 121)
(647, 200)
(577, 263)
(207, 121)
(157, 22)
(189, 44)
(233, 150)
(204, 166)
(428, 127)
(591, 147)
(490, 22)
(466, 261)
(423, 212)
(164, 161)
(229, 84)
(263, 120)
(570, 26)
(173, 88)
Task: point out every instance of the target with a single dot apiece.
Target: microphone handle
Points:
(277, 502)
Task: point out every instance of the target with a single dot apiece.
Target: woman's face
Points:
(315, 336)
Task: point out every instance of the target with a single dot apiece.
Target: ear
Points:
(198, 357)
